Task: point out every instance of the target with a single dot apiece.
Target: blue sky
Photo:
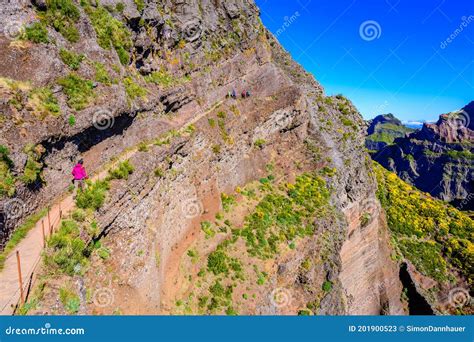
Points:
(401, 63)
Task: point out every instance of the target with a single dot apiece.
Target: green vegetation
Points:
(101, 73)
(44, 103)
(62, 16)
(216, 149)
(218, 262)
(387, 132)
(103, 252)
(143, 147)
(328, 101)
(381, 137)
(281, 217)
(164, 79)
(227, 201)
(140, 5)
(159, 172)
(259, 143)
(70, 300)
(190, 129)
(19, 233)
(261, 277)
(221, 297)
(71, 59)
(304, 312)
(66, 249)
(284, 213)
(327, 286)
(434, 236)
(365, 219)
(33, 167)
(206, 227)
(79, 91)
(426, 256)
(464, 154)
(78, 215)
(110, 32)
(71, 120)
(194, 255)
(133, 89)
(93, 195)
(348, 123)
(122, 171)
(7, 180)
(120, 7)
(37, 33)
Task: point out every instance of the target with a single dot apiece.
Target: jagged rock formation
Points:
(438, 158)
(383, 130)
(156, 92)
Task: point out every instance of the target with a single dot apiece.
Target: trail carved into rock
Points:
(32, 245)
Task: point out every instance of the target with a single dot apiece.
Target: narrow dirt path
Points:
(32, 245)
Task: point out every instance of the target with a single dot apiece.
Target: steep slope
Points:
(253, 205)
(435, 240)
(438, 158)
(382, 131)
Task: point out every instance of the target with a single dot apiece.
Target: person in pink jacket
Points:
(79, 174)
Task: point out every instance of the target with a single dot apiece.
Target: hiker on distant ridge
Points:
(79, 174)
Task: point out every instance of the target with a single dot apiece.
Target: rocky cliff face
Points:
(149, 81)
(438, 158)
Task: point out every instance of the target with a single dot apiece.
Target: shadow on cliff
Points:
(417, 304)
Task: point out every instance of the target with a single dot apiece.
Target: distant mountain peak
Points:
(454, 127)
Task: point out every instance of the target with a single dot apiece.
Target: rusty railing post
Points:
(42, 229)
(49, 222)
(22, 297)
